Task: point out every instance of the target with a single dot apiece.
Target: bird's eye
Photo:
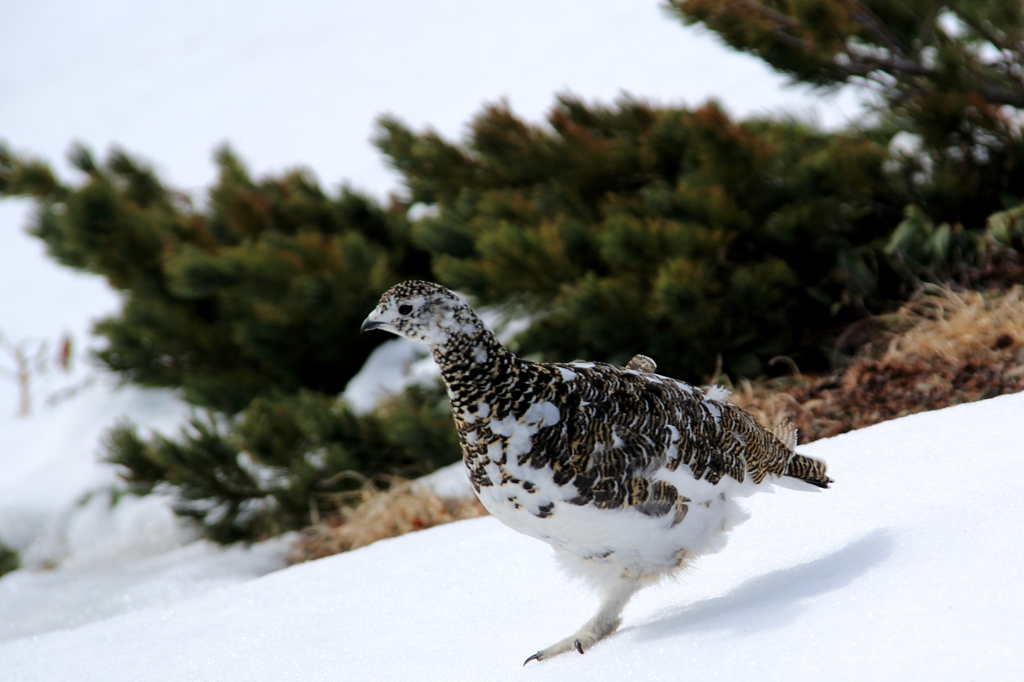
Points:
(404, 309)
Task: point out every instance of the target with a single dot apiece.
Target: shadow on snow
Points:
(774, 599)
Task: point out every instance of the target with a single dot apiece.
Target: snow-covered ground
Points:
(909, 568)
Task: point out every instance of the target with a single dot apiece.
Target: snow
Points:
(391, 367)
(85, 557)
(450, 481)
(48, 463)
(908, 568)
(35, 602)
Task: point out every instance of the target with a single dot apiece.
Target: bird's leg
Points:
(605, 622)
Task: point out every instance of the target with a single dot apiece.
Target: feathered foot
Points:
(605, 622)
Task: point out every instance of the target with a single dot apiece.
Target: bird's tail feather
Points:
(806, 469)
(800, 466)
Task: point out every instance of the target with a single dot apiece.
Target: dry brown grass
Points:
(942, 348)
(957, 326)
(375, 514)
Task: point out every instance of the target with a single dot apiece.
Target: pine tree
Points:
(948, 74)
(686, 235)
(678, 233)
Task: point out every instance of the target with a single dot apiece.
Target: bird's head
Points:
(423, 311)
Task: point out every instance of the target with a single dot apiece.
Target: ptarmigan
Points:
(627, 474)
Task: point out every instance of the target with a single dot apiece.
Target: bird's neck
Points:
(471, 362)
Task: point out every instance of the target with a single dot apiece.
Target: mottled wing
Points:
(621, 428)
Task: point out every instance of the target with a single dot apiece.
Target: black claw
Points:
(579, 647)
(535, 657)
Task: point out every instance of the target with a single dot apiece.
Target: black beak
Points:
(369, 324)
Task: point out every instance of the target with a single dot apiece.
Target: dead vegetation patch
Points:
(942, 348)
(373, 514)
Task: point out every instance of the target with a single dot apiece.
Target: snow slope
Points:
(908, 568)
